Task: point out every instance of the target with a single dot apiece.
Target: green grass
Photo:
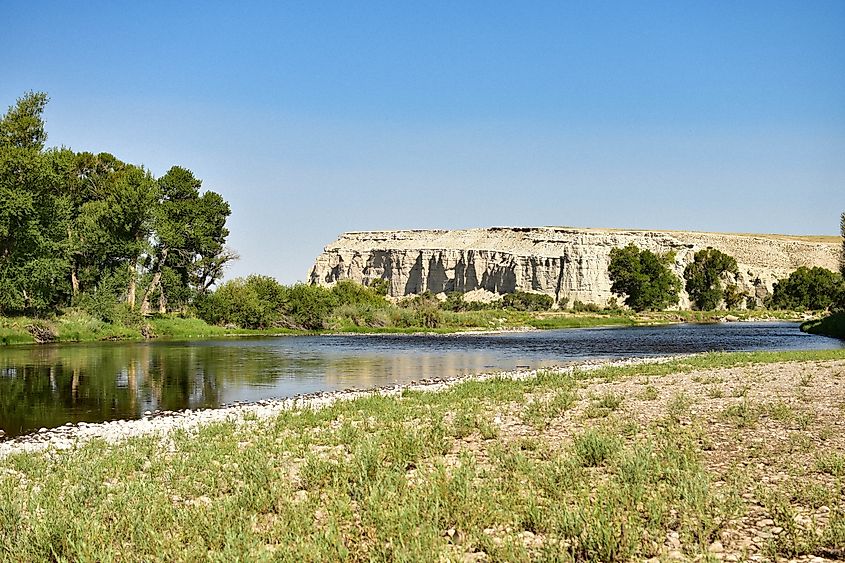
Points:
(364, 480)
(424, 476)
(78, 326)
(832, 325)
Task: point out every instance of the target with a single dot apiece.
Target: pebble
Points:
(164, 422)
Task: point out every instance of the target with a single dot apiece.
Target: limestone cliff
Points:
(566, 263)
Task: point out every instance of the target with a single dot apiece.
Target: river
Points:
(50, 385)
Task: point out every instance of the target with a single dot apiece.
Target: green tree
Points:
(643, 278)
(33, 213)
(23, 126)
(72, 225)
(808, 288)
(189, 228)
(703, 277)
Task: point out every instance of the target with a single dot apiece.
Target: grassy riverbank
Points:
(78, 326)
(832, 325)
(716, 456)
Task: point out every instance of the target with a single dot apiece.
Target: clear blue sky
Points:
(313, 118)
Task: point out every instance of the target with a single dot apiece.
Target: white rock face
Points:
(567, 263)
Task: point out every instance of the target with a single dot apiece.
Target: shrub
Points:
(643, 277)
(380, 286)
(526, 301)
(348, 292)
(426, 310)
(703, 276)
(252, 302)
(594, 447)
(580, 307)
(309, 306)
(734, 297)
(808, 288)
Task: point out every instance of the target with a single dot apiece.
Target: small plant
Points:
(604, 405)
(649, 393)
(740, 391)
(678, 407)
(832, 463)
(803, 420)
(743, 414)
(715, 392)
(593, 448)
(780, 411)
(540, 412)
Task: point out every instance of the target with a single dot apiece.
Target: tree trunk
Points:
(156, 281)
(130, 292)
(74, 280)
(162, 300)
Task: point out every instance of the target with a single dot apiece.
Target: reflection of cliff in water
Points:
(376, 370)
(47, 386)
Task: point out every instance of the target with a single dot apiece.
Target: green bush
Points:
(580, 307)
(643, 277)
(525, 301)
(309, 306)
(808, 288)
(426, 310)
(254, 302)
(456, 303)
(348, 292)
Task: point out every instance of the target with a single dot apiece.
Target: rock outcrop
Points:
(567, 263)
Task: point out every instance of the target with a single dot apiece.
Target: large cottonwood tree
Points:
(76, 225)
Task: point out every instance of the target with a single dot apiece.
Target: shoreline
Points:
(704, 457)
(662, 319)
(160, 423)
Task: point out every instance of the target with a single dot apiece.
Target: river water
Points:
(50, 385)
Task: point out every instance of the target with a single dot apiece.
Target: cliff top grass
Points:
(739, 455)
(826, 239)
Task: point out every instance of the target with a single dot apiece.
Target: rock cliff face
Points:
(568, 264)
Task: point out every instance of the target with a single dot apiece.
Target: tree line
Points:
(89, 230)
(646, 282)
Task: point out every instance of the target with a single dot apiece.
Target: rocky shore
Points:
(162, 422)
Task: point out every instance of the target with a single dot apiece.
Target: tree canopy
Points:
(704, 278)
(78, 227)
(643, 278)
(808, 288)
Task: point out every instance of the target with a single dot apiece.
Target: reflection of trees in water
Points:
(50, 385)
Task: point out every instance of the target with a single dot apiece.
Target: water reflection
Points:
(46, 386)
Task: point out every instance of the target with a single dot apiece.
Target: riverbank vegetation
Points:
(90, 231)
(812, 286)
(697, 458)
(94, 248)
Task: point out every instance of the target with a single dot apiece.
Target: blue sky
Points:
(313, 118)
